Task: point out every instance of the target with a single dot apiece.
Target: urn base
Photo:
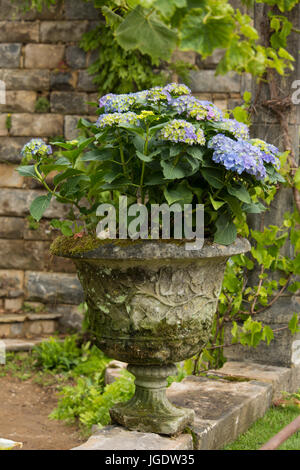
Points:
(150, 410)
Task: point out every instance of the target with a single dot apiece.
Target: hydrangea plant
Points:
(160, 145)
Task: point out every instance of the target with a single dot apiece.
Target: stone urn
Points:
(152, 304)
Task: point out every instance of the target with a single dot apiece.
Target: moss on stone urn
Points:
(151, 304)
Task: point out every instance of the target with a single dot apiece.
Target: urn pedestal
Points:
(152, 304)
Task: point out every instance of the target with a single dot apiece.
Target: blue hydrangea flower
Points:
(238, 129)
(177, 89)
(36, 148)
(269, 152)
(157, 94)
(117, 103)
(113, 119)
(237, 155)
(179, 130)
(199, 110)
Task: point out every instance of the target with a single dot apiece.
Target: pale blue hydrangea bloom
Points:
(199, 110)
(117, 103)
(237, 155)
(179, 130)
(238, 129)
(269, 152)
(36, 148)
(177, 89)
(113, 119)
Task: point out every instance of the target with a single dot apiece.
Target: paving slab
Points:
(118, 438)
(281, 378)
(14, 345)
(223, 409)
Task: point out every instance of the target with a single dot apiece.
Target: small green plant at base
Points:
(42, 105)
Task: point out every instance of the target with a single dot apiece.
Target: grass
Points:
(276, 418)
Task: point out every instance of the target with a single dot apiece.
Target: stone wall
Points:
(40, 58)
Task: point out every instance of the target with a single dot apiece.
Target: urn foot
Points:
(150, 410)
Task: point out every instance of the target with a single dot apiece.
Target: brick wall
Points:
(40, 57)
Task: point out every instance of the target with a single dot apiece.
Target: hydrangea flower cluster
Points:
(268, 151)
(196, 109)
(238, 129)
(36, 148)
(178, 89)
(179, 130)
(116, 103)
(237, 155)
(113, 119)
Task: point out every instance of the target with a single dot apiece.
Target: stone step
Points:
(223, 409)
(22, 345)
(28, 325)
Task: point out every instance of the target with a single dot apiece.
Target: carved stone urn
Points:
(152, 304)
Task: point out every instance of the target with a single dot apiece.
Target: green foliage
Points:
(89, 402)
(38, 5)
(59, 355)
(42, 105)
(115, 69)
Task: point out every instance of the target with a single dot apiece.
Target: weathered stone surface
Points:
(223, 409)
(43, 56)
(93, 98)
(86, 81)
(184, 56)
(71, 131)
(12, 227)
(25, 79)
(11, 11)
(21, 32)
(13, 304)
(71, 318)
(44, 232)
(113, 371)
(19, 102)
(53, 287)
(39, 125)
(64, 31)
(204, 79)
(20, 254)
(80, 10)
(11, 283)
(9, 177)
(75, 57)
(14, 345)
(212, 61)
(69, 103)
(10, 148)
(279, 377)
(3, 125)
(16, 202)
(282, 349)
(10, 55)
(63, 81)
(117, 438)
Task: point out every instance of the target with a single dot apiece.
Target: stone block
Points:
(71, 131)
(93, 98)
(59, 264)
(9, 177)
(10, 148)
(20, 254)
(75, 57)
(223, 409)
(69, 103)
(188, 57)
(12, 227)
(118, 438)
(71, 318)
(63, 81)
(43, 56)
(212, 61)
(13, 305)
(53, 287)
(16, 202)
(32, 80)
(203, 81)
(16, 330)
(3, 125)
(279, 377)
(19, 102)
(12, 11)
(10, 55)
(284, 349)
(40, 125)
(11, 281)
(86, 82)
(80, 10)
(62, 31)
(4, 331)
(19, 32)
